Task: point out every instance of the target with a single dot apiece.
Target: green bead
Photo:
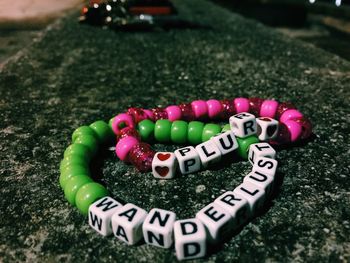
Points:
(194, 132)
(146, 129)
(71, 171)
(82, 130)
(179, 132)
(78, 150)
(72, 186)
(162, 130)
(73, 160)
(226, 128)
(87, 194)
(89, 141)
(103, 132)
(209, 131)
(243, 145)
(111, 122)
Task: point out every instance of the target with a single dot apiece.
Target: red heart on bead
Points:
(162, 170)
(271, 130)
(163, 157)
(265, 119)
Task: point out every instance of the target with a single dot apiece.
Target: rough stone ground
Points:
(74, 75)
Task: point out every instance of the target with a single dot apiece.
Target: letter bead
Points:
(217, 221)
(265, 166)
(253, 194)
(261, 180)
(243, 124)
(226, 142)
(190, 239)
(267, 128)
(262, 149)
(100, 214)
(164, 165)
(127, 223)
(188, 160)
(158, 228)
(208, 153)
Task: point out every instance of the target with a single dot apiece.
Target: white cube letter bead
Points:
(127, 223)
(188, 160)
(158, 228)
(190, 239)
(253, 194)
(100, 214)
(208, 153)
(262, 149)
(267, 128)
(164, 165)
(261, 180)
(243, 124)
(236, 205)
(226, 142)
(217, 221)
(265, 166)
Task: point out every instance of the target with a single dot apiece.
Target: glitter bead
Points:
(137, 114)
(282, 107)
(159, 113)
(228, 109)
(187, 112)
(306, 127)
(141, 156)
(128, 131)
(255, 105)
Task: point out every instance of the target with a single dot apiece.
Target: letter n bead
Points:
(190, 239)
(127, 223)
(100, 214)
(267, 128)
(262, 149)
(158, 228)
(164, 165)
(188, 159)
(243, 124)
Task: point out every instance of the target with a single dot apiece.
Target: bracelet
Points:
(159, 227)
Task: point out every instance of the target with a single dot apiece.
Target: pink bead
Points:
(174, 112)
(268, 108)
(200, 109)
(294, 128)
(149, 114)
(124, 146)
(122, 118)
(291, 115)
(137, 114)
(241, 105)
(214, 108)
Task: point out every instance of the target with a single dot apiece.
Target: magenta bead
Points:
(124, 146)
(268, 108)
(174, 113)
(241, 105)
(255, 105)
(306, 127)
(187, 113)
(122, 118)
(137, 114)
(214, 108)
(290, 115)
(283, 136)
(141, 156)
(294, 129)
(127, 131)
(159, 113)
(228, 109)
(149, 114)
(282, 107)
(200, 109)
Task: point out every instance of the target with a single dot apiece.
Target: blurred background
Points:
(323, 23)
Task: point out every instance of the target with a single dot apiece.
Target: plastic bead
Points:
(110, 123)
(103, 132)
(137, 114)
(159, 114)
(200, 109)
(241, 105)
(214, 108)
(78, 150)
(124, 145)
(244, 144)
(162, 130)
(283, 136)
(87, 194)
(227, 127)
(194, 132)
(282, 107)
(73, 160)
(306, 127)
(228, 109)
(268, 108)
(149, 114)
(82, 130)
(72, 186)
(290, 115)
(174, 113)
(179, 132)
(141, 156)
(128, 132)
(122, 120)
(71, 171)
(89, 141)
(294, 129)
(187, 112)
(209, 131)
(146, 129)
(255, 105)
